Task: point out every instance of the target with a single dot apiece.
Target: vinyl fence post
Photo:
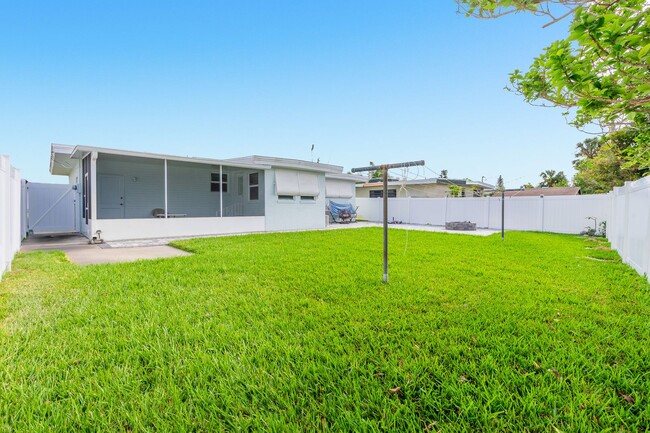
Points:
(446, 205)
(626, 224)
(503, 215)
(611, 219)
(409, 209)
(385, 199)
(542, 211)
(646, 265)
(3, 212)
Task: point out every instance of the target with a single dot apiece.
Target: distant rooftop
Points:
(435, 180)
(533, 192)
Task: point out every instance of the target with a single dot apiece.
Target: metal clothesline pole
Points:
(384, 168)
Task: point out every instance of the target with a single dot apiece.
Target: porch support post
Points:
(93, 193)
(166, 189)
(220, 191)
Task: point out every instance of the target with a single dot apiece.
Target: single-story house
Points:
(137, 195)
(536, 192)
(418, 188)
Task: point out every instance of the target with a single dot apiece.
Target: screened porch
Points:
(131, 187)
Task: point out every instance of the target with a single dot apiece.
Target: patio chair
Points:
(158, 212)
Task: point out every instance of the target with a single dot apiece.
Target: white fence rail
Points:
(626, 210)
(10, 222)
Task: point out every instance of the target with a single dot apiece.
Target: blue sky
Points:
(363, 80)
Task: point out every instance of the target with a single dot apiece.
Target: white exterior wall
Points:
(149, 228)
(10, 213)
(286, 215)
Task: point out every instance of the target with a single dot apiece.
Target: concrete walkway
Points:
(79, 251)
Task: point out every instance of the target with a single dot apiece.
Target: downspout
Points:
(220, 191)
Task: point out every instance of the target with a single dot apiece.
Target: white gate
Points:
(51, 208)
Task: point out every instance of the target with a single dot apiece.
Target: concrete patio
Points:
(79, 251)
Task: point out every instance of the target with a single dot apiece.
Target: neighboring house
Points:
(535, 192)
(435, 187)
(137, 195)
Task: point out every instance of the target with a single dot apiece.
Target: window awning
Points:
(339, 188)
(294, 182)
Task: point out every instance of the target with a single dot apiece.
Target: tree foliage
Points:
(500, 185)
(602, 164)
(551, 179)
(600, 73)
(375, 174)
(455, 191)
(601, 69)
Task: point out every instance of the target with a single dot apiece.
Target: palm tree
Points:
(552, 179)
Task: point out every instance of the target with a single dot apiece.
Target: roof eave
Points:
(345, 176)
(290, 163)
(81, 151)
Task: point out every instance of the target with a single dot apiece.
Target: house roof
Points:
(430, 181)
(533, 192)
(62, 156)
(331, 171)
(288, 163)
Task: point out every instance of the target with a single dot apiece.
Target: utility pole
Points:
(384, 168)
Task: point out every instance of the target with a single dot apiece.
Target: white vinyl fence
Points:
(629, 226)
(10, 230)
(564, 214)
(626, 210)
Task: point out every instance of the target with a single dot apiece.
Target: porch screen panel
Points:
(85, 187)
(339, 188)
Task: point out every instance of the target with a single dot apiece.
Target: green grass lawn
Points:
(296, 332)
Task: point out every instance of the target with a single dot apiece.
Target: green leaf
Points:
(644, 51)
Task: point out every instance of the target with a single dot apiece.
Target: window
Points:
(254, 186)
(307, 197)
(215, 185)
(285, 197)
(378, 193)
